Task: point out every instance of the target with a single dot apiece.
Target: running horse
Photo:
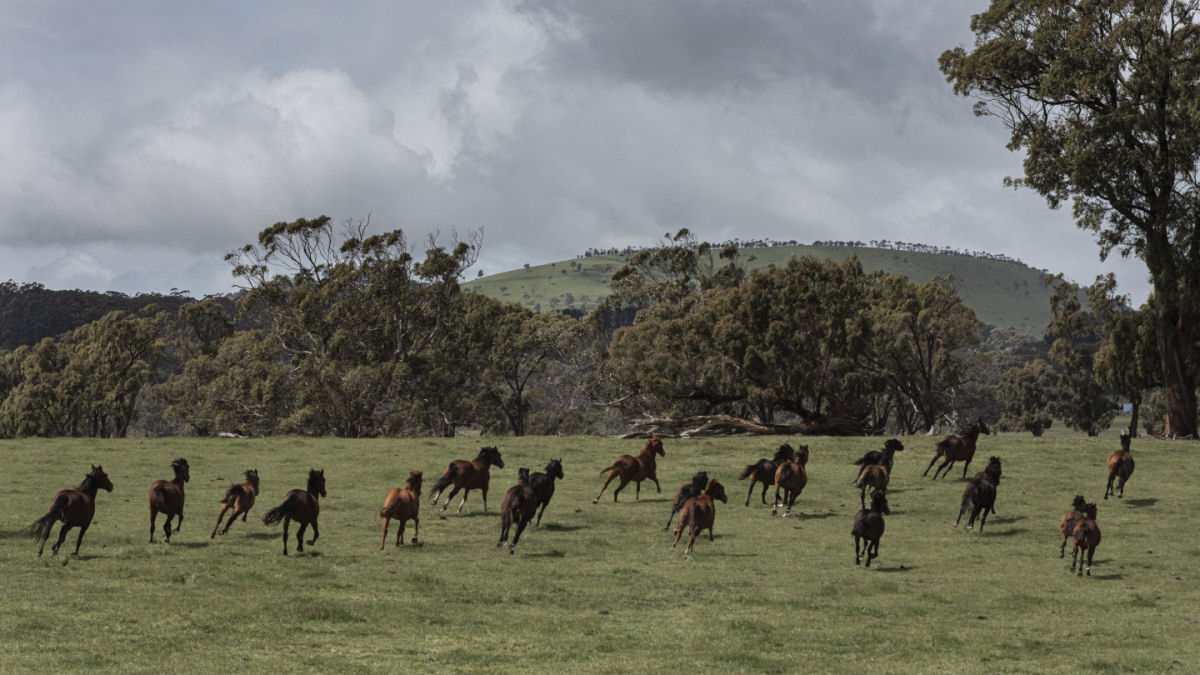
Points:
(74, 508)
(240, 498)
(166, 497)
(636, 469)
(467, 476)
(403, 505)
(954, 448)
(301, 506)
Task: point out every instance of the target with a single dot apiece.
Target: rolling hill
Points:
(1002, 293)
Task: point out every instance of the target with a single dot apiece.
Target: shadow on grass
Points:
(555, 527)
(1011, 532)
(547, 554)
(898, 568)
(1011, 519)
(22, 533)
(191, 544)
(1148, 501)
(1108, 577)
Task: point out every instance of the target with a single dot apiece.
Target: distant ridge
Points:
(1003, 292)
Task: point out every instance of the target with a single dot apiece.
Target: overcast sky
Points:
(141, 141)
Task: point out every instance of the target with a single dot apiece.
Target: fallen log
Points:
(696, 426)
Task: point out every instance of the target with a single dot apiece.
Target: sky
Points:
(142, 141)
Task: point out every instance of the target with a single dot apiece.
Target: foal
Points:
(74, 508)
(301, 506)
(1066, 526)
(543, 486)
(868, 528)
(518, 507)
(980, 495)
(166, 497)
(403, 505)
(763, 471)
(698, 514)
(636, 469)
(1087, 537)
(240, 498)
(1120, 465)
(686, 492)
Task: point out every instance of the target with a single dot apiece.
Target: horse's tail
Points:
(233, 494)
(614, 465)
(446, 479)
(40, 529)
(160, 493)
(785, 473)
(943, 447)
(1122, 468)
(276, 514)
(749, 470)
(864, 460)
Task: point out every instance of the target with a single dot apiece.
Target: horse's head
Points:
(554, 468)
(785, 453)
(802, 455)
(182, 471)
(491, 455)
(98, 478)
(893, 445)
(716, 490)
(1089, 510)
(1125, 441)
(316, 481)
(654, 446)
(252, 477)
(993, 470)
(414, 482)
(523, 476)
(699, 481)
(1079, 503)
(879, 502)
(981, 427)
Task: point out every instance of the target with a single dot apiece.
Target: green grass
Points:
(596, 588)
(1006, 294)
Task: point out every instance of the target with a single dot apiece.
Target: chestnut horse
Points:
(166, 497)
(1087, 538)
(301, 506)
(686, 492)
(543, 485)
(518, 507)
(74, 508)
(467, 476)
(636, 469)
(1120, 465)
(874, 476)
(791, 477)
(868, 528)
(884, 457)
(403, 505)
(240, 498)
(954, 448)
(763, 471)
(1066, 526)
(698, 514)
(980, 495)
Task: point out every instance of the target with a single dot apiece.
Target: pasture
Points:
(596, 588)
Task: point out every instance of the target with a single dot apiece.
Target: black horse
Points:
(868, 528)
(763, 471)
(542, 485)
(882, 457)
(686, 492)
(980, 495)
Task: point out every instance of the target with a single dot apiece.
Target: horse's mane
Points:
(700, 480)
(1125, 441)
(653, 446)
(784, 453)
(414, 482)
(314, 477)
(252, 477)
(93, 476)
(894, 445)
(1079, 503)
(485, 451)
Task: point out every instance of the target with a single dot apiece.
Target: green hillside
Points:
(1002, 293)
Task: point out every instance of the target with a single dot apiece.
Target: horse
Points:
(883, 457)
(686, 492)
(1066, 526)
(636, 469)
(1120, 465)
(1087, 537)
(874, 476)
(763, 471)
(980, 495)
(542, 485)
(240, 498)
(467, 476)
(403, 505)
(868, 528)
(74, 508)
(301, 506)
(166, 497)
(954, 448)
(791, 478)
(698, 514)
(518, 507)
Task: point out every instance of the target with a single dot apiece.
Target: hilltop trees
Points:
(1103, 99)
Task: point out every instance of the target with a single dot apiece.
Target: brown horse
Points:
(884, 457)
(874, 476)
(980, 495)
(166, 497)
(954, 448)
(868, 527)
(467, 476)
(1087, 538)
(698, 514)
(403, 505)
(1120, 466)
(686, 492)
(763, 471)
(74, 508)
(791, 477)
(636, 469)
(240, 498)
(1066, 526)
(301, 506)
(520, 503)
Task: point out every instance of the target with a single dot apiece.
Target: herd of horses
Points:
(694, 501)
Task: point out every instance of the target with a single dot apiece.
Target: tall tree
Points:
(1127, 361)
(1104, 96)
(1082, 401)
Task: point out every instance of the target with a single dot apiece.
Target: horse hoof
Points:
(511, 551)
(414, 540)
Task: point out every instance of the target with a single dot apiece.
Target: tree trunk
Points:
(1178, 379)
(1135, 402)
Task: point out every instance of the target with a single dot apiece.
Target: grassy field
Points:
(1001, 293)
(595, 589)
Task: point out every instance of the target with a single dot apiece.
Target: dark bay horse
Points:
(542, 485)
(874, 476)
(1087, 538)
(790, 477)
(763, 471)
(699, 513)
(518, 508)
(636, 469)
(1066, 526)
(467, 476)
(166, 497)
(403, 505)
(74, 508)
(301, 506)
(868, 528)
(686, 492)
(955, 448)
(980, 495)
(1120, 466)
(883, 457)
(240, 498)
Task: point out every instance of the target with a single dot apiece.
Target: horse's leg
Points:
(316, 532)
(764, 492)
(483, 490)
(505, 522)
(944, 469)
(983, 518)
(218, 525)
(79, 539)
(62, 535)
(857, 555)
(670, 518)
(657, 487)
(862, 495)
(1062, 548)
(1108, 488)
(874, 551)
(1091, 552)
(1074, 554)
(167, 528)
(416, 527)
(179, 521)
(287, 520)
(691, 541)
(464, 500)
(619, 488)
(153, 517)
(637, 491)
(749, 493)
(965, 465)
(517, 537)
(451, 496)
(385, 527)
(300, 537)
(400, 533)
(775, 507)
(603, 487)
(678, 532)
(931, 463)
